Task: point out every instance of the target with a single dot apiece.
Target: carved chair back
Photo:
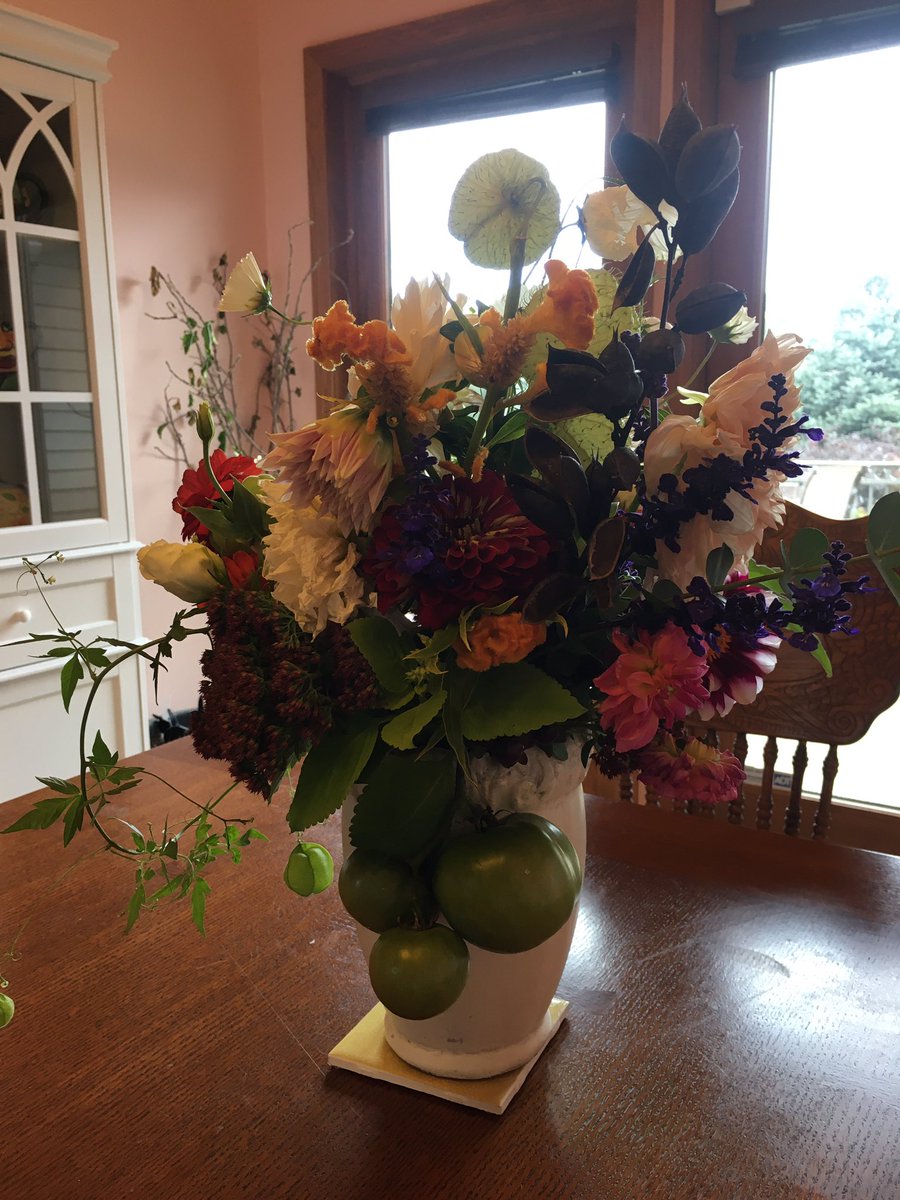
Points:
(800, 703)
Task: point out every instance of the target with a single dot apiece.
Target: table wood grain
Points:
(732, 1035)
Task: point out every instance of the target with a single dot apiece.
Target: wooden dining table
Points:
(733, 1030)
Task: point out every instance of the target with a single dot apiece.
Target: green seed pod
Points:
(681, 125)
(698, 221)
(708, 307)
(708, 158)
(309, 870)
(7, 1009)
(661, 350)
(637, 278)
(641, 165)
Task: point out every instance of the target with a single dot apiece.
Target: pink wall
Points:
(206, 149)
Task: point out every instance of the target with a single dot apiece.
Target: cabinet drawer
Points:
(83, 597)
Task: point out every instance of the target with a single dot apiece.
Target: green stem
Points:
(111, 843)
(778, 572)
(212, 474)
(706, 357)
(494, 393)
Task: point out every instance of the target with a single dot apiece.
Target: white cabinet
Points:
(63, 454)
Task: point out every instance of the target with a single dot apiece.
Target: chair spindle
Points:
(792, 814)
(823, 812)
(736, 806)
(764, 807)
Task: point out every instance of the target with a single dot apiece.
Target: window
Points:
(805, 84)
(493, 58)
(424, 165)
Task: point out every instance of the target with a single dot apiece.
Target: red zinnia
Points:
(198, 490)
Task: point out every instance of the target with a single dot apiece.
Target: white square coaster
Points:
(365, 1051)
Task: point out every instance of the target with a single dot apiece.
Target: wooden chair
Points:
(798, 702)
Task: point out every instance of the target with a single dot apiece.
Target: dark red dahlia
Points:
(198, 490)
(453, 545)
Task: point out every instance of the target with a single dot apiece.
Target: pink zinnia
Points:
(697, 772)
(338, 461)
(655, 679)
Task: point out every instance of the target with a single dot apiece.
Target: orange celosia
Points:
(568, 307)
(334, 335)
(378, 343)
(499, 639)
(337, 335)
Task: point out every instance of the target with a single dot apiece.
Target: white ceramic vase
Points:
(501, 1020)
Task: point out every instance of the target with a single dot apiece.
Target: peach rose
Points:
(735, 399)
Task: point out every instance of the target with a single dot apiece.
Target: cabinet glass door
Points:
(48, 437)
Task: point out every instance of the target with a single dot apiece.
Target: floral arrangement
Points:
(513, 536)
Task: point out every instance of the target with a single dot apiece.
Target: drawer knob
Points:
(22, 615)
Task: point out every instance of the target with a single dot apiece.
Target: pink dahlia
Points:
(737, 667)
(339, 461)
(656, 679)
(695, 772)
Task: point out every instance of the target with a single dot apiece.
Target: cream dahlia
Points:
(311, 564)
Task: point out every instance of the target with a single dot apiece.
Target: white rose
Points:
(192, 572)
(611, 219)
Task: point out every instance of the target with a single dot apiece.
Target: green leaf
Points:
(69, 678)
(384, 649)
(515, 698)
(225, 534)
(330, 770)
(883, 540)
(101, 753)
(460, 685)
(74, 820)
(199, 892)
(401, 731)
(43, 814)
(64, 786)
(718, 563)
(823, 658)
(250, 515)
(135, 904)
(511, 429)
(405, 806)
(803, 556)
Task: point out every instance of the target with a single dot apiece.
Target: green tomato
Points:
(7, 1009)
(507, 888)
(381, 891)
(556, 834)
(309, 870)
(418, 973)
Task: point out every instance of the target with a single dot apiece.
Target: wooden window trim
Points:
(739, 250)
(505, 41)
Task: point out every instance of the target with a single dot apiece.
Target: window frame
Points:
(739, 249)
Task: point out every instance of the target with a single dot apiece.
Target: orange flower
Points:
(499, 639)
(337, 335)
(380, 344)
(334, 335)
(568, 307)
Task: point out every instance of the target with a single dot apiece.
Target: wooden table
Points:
(733, 1031)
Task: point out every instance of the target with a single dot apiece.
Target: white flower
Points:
(417, 317)
(192, 572)
(311, 564)
(611, 220)
(737, 331)
(246, 291)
